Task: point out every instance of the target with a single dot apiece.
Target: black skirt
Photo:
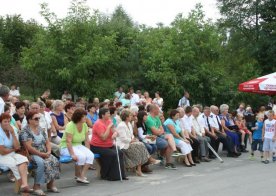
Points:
(109, 162)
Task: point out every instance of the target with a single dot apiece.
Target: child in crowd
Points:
(257, 137)
(269, 135)
(240, 122)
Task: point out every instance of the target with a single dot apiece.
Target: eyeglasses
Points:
(36, 119)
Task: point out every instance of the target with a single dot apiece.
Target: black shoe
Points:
(193, 164)
(212, 157)
(125, 178)
(265, 162)
(237, 153)
(232, 155)
(187, 165)
(170, 166)
(197, 161)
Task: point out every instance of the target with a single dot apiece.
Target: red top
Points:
(99, 128)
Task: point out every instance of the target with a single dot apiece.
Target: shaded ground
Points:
(234, 177)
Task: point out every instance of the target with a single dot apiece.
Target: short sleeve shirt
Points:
(17, 117)
(176, 126)
(77, 136)
(269, 128)
(152, 122)
(98, 129)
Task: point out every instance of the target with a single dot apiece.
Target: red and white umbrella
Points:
(262, 85)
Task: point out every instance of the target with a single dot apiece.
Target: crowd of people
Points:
(130, 132)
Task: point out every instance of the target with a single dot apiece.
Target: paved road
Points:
(234, 177)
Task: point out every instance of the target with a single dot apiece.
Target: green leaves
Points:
(90, 53)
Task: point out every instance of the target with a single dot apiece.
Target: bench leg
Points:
(17, 185)
(98, 168)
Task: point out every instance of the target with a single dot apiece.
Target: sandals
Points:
(83, 181)
(26, 189)
(39, 192)
(53, 190)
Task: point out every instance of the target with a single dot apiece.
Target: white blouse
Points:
(125, 135)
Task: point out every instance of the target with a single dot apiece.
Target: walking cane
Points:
(215, 153)
(118, 158)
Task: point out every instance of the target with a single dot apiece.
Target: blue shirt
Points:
(60, 118)
(257, 134)
(94, 118)
(176, 125)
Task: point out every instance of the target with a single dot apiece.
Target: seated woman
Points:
(113, 114)
(172, 126)
(76, 133)
(20, 113)
(69, 110)
(102, 143)
(92, 113)
(135, 152)
(36, 142)
(228, 127)
(9, 144)
(58, 117)
(148, 140)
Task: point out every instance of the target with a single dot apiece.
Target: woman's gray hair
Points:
(134, 109)
(57, 103)
(223, 107)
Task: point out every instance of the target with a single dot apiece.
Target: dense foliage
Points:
(90, 53)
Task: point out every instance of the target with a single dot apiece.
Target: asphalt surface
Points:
(234, 177)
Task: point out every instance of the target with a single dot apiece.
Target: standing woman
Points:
(35, 141)
(76, 133)
(58, 117)
(158, 100)
(102, 143)
(135, 152)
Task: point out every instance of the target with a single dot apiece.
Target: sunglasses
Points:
(36, 119)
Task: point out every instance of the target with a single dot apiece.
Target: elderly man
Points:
(222, 136)
(186, 125)
(202, 138)
(217, 136)
(4, 96)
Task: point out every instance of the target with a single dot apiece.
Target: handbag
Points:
(24, 152)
